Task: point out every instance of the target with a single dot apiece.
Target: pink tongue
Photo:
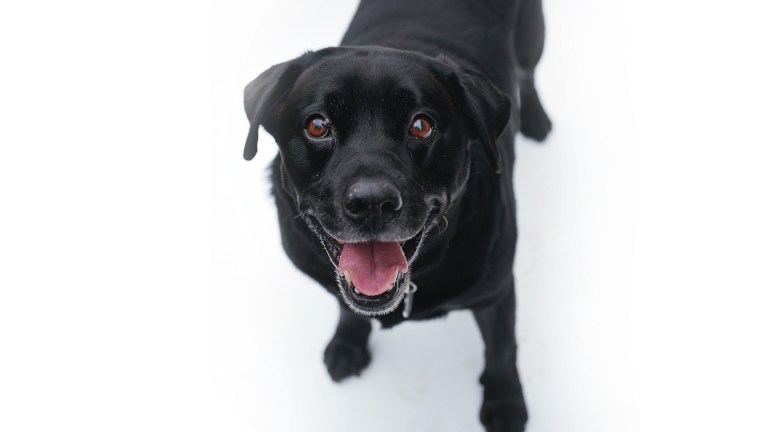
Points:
(372, 266)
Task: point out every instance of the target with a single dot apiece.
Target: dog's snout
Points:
(375, 199)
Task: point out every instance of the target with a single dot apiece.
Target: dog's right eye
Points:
(317, 126)
(421, 128)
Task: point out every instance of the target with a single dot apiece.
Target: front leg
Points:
(347, 353)
(503, 408)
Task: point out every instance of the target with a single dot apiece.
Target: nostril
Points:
(372, 198)
(391, 206)
(355, 205)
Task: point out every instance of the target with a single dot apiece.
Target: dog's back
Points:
(476, 33)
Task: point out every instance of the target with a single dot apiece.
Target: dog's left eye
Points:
(421, 127)
(317, 126)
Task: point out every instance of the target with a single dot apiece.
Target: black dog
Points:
(395, 171)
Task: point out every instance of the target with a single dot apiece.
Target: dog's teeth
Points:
(357, 291)
(348, 278)
(394, 281)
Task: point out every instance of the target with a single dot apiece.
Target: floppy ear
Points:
(487, 108)
(262, 96)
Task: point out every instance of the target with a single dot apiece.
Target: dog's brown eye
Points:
(317, 126)
(421, 128)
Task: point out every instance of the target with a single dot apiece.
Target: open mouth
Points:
(372, 276)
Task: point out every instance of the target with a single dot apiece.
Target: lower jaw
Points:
(381, 304)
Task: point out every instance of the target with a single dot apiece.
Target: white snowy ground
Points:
(143, 286)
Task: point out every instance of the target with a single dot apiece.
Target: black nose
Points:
(375, 199)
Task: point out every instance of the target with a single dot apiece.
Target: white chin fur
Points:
(389, 308)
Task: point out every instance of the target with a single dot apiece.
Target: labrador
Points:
(393, 181)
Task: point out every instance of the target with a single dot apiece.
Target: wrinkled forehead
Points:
(384, 80)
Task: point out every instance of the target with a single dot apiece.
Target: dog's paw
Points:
(344, 359)
(534, 121)
(507, 415)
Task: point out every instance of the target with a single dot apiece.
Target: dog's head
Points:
(374, 145)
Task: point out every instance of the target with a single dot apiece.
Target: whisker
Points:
(441, 230)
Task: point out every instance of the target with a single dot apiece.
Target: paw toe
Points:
(503, 415)
(535, 123)
(344, 359)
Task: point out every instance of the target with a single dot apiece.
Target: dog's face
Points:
(374, 146)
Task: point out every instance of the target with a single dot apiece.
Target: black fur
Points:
(465, 65)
